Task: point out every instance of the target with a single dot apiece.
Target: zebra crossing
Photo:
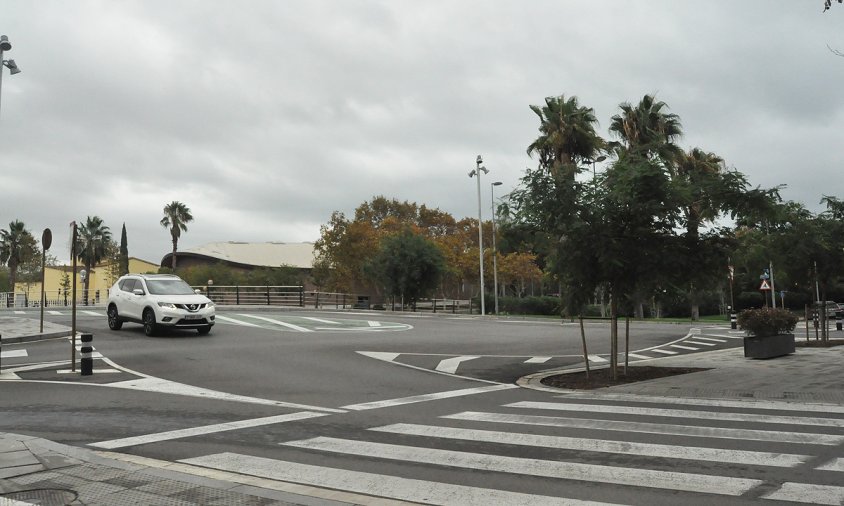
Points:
(592, 449)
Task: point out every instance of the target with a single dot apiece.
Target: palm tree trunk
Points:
(173, 260)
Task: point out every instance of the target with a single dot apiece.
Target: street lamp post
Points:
(593, 162)
(5, 45)
(494, 250)
(477, 173)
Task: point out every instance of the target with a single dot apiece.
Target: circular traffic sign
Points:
(46, 239)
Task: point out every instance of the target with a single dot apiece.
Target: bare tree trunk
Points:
(626, 343)
(614, 334)
(583, 339)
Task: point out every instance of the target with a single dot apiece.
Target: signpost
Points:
(765, 286)
(46, 242)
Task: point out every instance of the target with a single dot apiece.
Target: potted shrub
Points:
(769, 332)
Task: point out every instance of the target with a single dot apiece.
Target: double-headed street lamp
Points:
(494, 250)
(477, 173)
(5, 45)
(593, 162)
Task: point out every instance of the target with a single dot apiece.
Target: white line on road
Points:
(94, 371)
(664, 352)
(700, 343)
(92, 313)
(378, 485)
(450, 365)
(640, 357)
(723, 403)
(278, 322)
(652, 428)
(599, 445)
(807, 493)
(597, 359)
(207, 429)
(427, 397)
(684, 347)
(320, 320)
(20, 312)
(373, 323)
(55, 313)
(701, 338)
(237, 322)
(13, 354)
(667, 480)
(538, 360)
(380, 355)
(833, 465)
(679, 413)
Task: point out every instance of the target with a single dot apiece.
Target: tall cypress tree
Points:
(124, 252)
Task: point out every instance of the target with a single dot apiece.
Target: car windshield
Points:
(169, 287)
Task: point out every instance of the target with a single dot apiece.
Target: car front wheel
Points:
(150, 327)
(114, 321)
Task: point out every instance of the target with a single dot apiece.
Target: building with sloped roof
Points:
(247, 255)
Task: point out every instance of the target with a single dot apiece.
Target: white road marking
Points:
(320, 320)
(728, 336)
(237, 322)
(702, 338)
(13, 354)
(207, 429)
(427, 397)
(94, 354)
(664, 352)
(640, 357)
(833, 465)
(807, 493)
(700, 343)
(600, 445)
(92, 313)
(597, 359)
(380, 355)
(95, 371)
(20, 312)
(450, 365)
(373, 323)
(278, 322)
(679, 413)
(538, 360)
(651, 428)
(724, 403)
(684, 347)
(669, 480)
(55, 313)
(378, 485)
(150, 384)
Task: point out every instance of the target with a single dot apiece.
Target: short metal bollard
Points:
(815, 320)
(838, 317)
(86, 362)
(733, 321)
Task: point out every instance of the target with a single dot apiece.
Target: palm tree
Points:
(567, 135)
(176, 216)
(698, 172)
(647, 130)
(92, 246)
(17, 245)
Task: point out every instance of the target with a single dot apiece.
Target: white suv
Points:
(158, 301)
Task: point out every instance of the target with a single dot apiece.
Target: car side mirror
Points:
(138, 291)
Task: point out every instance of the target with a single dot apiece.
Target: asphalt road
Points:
(416, 408)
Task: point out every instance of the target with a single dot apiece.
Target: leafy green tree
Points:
(408, 265)
(647, 130)
(17, 246)
(176, 217)
(93, 243)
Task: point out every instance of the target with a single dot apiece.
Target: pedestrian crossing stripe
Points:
(13, 354)
(371, 484)
(677, 413)
(600, 446)
(688, 482)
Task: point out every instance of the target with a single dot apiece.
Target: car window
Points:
(127, 285)
(169, 287)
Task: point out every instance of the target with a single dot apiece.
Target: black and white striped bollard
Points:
(86, 362)
(733, 321)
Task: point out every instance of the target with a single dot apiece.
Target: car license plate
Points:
(193, 317)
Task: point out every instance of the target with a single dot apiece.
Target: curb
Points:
(34, 337)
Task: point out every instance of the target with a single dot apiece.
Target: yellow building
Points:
(58, 283)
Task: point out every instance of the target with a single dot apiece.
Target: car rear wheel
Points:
(114, 321)
(150, 327)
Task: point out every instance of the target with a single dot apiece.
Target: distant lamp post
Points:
(593, 162)
(474, 173)
(5, 45)
(494, 250)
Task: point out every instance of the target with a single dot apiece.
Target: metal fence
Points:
(53, 298)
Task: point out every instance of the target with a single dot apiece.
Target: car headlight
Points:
(211, 304)
(168, 305)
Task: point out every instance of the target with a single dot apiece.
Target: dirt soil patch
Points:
(600, 378)
(812, 343)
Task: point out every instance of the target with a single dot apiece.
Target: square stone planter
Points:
(769, 346)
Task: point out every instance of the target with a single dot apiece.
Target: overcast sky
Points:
(263, 117)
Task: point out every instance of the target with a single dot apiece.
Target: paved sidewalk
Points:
(14, 329)
(813, 375)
